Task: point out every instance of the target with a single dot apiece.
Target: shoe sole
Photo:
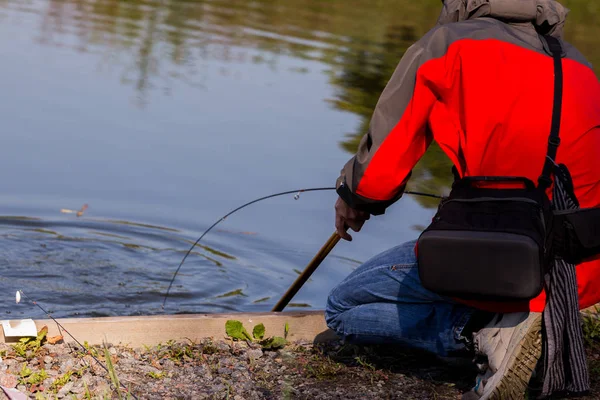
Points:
(521, 359)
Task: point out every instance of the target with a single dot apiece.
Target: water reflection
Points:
(169, 39)
(199, 140)
(154, 42)
(158, 44)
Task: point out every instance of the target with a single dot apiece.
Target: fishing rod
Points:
(296, 197)
(62, 328)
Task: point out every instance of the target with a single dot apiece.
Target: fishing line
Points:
(296, 197)
(62, 328)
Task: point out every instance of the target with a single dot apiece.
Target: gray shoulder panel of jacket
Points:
(520, 34)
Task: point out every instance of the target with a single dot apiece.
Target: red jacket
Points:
(481, 85)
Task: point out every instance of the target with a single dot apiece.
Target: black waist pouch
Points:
(577, 234)
(490, 244)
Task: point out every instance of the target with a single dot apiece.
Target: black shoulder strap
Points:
(553, 140)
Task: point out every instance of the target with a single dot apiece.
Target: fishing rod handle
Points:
(308, 271)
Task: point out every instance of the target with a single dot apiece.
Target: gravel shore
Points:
(226, 369)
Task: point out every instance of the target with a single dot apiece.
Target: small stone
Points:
(255, 345)
(224, 371)
(48, 360)
(65, 389)
(223, 346)
(102, 387)
(126, 362)
(229, 361)
(149, 369)
(8, 380)
(242, 345)
(87, 378)
(287, 355)
(254, 354)
(113, 351)
(67, 365)
(217, 388)
(78, 389)
(237, 375)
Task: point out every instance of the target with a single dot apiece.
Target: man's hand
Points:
(347, 217)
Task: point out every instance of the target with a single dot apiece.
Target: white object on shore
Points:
(14, 394)
(19, 328)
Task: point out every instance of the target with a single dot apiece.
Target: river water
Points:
(162, 116)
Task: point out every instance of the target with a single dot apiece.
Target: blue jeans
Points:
(383, 301)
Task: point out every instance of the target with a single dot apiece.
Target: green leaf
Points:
(111, 371)
(25, 371)
(259, 331)
(236, 330)
(273, 343)
(286, 330)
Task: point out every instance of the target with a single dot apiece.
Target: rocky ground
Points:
(226, 369)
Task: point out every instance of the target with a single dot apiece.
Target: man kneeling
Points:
(481, 84)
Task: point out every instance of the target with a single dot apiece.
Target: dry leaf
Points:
(43, 332)
(80, 212)
(54, 339)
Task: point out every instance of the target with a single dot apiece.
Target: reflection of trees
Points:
(145, 61)
(364, 76)
(359, 85)
(153, 41)
(159, 42)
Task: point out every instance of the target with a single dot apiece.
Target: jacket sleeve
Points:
(375, 177)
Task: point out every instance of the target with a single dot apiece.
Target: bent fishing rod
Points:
(316, 261)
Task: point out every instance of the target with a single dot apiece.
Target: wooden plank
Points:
(151, 330)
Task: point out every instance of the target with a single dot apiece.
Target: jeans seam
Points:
(380, 267)
(394, 267)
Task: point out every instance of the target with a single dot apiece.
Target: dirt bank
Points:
(224, 369)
